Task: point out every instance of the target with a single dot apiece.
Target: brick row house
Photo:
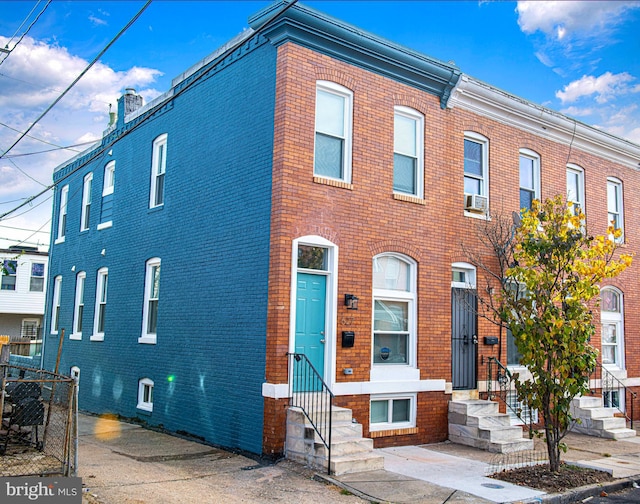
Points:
(305, 169)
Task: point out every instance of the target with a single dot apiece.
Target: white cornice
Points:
(485, 100)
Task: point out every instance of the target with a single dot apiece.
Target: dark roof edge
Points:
(327, 35)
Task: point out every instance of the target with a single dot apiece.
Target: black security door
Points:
(464, 338)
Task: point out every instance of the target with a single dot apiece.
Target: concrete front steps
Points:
(350, 452)
(480, 424)
(598, 421)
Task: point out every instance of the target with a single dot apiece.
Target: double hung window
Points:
(36, 283)
(55, 305)
(529, 178)
(408, 152)
(145, 394)
(158, 169)
(78, 310)
(332, 158)
(575, 187)
(62, 214)
(615, 205)
(151, 298)
(86, 202)
(9, 270)
(101, 305)
(394, 298)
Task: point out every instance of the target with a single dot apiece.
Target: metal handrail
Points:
(610, 383)
(504, 378)
(309, 392)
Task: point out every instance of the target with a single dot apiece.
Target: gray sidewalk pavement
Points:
(125, 463)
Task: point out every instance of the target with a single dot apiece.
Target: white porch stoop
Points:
(479, 423)
(350, 452)
(598, 421)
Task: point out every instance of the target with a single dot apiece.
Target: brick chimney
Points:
(128, 103)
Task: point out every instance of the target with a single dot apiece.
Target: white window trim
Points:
(469, 270)
(581, 197)
(478, 138)
(146, 337)
(31, 276)
(64, 200)
(618, 319)
(81, 278)
(618, 184)
(87, 186)
(104, 225)
(419, 119)
(374, 427)
(110, 168)
(55, 304)
(390, 372)
(337, 89)
(158, 142)
(4, 274)
(142, 404)
(535, 157)
(102, 274)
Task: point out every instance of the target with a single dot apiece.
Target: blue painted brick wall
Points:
(212, 236)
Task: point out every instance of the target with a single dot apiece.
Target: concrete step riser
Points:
(474, 407)
(346, 448)
(599, 412)
(587, 402)
(480, 421)
(339, 467)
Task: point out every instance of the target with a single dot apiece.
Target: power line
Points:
(133, 20)
(26, 31)
(40, 140)
(101, 150)
(28, 230)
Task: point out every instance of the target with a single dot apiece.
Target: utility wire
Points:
(99, 152)
(70, 147)
(133, 20)
(24, 229)
(26, 31)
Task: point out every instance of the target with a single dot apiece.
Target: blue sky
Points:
(580, 58)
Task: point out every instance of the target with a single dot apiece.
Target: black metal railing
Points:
(613, 390)
(506, 388)
(309, 392)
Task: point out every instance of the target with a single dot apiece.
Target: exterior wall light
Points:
(351, 301)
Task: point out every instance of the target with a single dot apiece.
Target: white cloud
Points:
(96, 21)
(561, 18)
(577, 111)
(33, 76)
(605, 88)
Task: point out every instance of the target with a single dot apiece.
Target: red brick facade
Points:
(364, 219)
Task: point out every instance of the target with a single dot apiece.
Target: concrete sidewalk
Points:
(125, 463)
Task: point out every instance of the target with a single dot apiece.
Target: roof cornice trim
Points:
(485, 100)
(324, 34)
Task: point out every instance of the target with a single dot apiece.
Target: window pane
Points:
(513, 355)
(152, 322)
(312, 257)
(379, 411)
(612, 197)
(473, 158)
(390, 348)
(391, 316)
(328, 156)
(573, 191)
(159, 199)
(155, 282)
(390, 273)
(609, 334)
(472, 185)
(608, 354)
(330, 113)
(37, 284)
(405, 136)
(401, 408)
(37, 270)
(526, 172)
(610, 301)
(404, 174)
(526, 198)
(79, 321)
(458, 276)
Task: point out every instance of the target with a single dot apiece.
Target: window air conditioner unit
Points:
(475, 203)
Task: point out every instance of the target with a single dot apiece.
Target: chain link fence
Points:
(39, 432)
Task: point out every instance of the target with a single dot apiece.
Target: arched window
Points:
(394, 309)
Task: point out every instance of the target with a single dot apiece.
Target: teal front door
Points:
(310, 318)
